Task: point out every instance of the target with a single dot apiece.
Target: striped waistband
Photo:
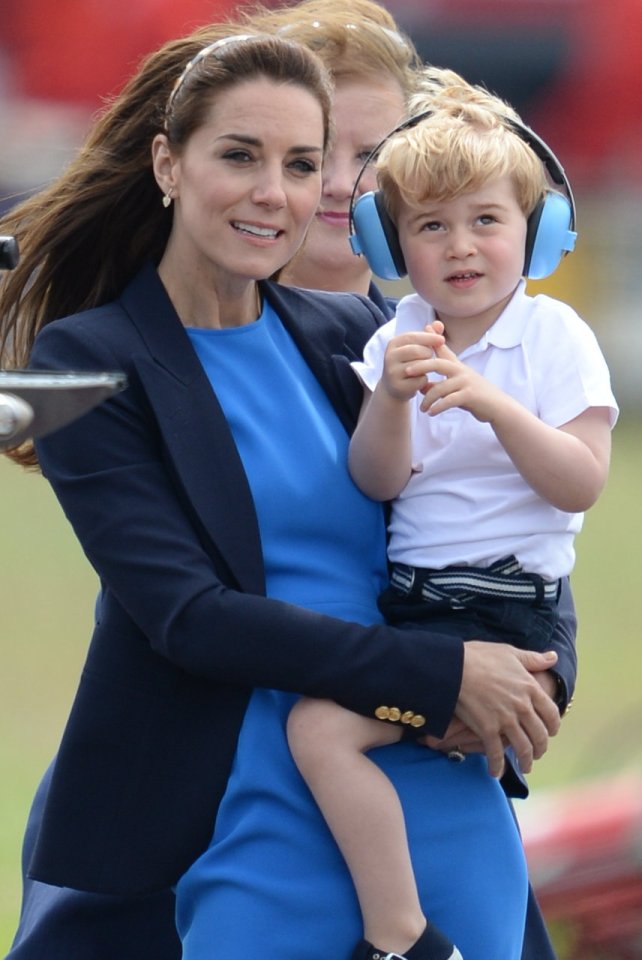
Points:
(503, 579)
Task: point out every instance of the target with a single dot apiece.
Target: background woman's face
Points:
(364, 112)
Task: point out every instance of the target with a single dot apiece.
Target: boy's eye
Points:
(487, 218)
(431, 225)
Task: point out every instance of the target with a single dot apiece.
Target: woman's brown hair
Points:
(86, 235)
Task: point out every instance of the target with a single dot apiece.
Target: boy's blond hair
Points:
(466, 141)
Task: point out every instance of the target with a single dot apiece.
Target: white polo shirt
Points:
(466, 503)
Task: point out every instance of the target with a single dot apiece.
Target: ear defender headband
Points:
(550, 232)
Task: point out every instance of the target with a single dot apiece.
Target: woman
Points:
(180, 642)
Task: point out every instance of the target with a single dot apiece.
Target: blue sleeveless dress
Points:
(272, 885)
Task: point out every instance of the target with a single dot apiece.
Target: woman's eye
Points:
(366, 156)
(304, 165)
(237, 156)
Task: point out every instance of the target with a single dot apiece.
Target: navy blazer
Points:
(154, 488)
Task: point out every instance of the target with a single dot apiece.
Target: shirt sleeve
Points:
(567, 364)
(369, 370)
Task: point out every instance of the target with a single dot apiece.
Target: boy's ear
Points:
(376, 237)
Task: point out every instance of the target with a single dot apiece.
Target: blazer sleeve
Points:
(111, 474)
(563, 643)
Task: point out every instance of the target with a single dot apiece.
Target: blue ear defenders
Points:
(550, 233)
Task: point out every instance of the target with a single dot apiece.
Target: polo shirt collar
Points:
(508, 329)
(413, 313)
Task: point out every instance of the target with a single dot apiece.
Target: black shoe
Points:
(431, 945)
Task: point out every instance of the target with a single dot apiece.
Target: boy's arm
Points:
(567, 465)
(380, 449)
(380, 457)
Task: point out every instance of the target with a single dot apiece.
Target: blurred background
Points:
(573, 69)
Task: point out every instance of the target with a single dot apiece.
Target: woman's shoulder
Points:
(320, 299)
(101, 337)
(350, 310)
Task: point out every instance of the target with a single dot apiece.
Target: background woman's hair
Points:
(356, 39)
(85, 236)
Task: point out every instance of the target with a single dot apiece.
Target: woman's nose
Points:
(270, 189)
(338, 178)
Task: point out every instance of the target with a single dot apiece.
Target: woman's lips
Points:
(333, 218)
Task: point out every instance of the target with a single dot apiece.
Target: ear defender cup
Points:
(548, 236)
(375, 236)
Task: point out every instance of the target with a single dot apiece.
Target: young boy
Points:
(486, 421)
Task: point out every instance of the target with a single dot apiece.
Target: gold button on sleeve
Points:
(382, 712)
(418, 720)
(394, 714)
(407, 716)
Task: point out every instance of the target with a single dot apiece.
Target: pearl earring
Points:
(167, 199)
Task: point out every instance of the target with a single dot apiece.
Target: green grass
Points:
(601, 732)
(46, 590)
(47, 595)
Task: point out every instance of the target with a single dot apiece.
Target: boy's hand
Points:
(410, 352)
(462, 387)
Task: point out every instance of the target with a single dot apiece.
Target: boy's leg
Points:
(362, 809)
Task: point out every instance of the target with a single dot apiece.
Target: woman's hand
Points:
(461, 738)
(502, 704)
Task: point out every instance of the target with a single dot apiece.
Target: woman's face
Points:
(246, 185)
(364, 112)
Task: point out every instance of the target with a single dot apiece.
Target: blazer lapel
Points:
(195, 431)
(330, 334)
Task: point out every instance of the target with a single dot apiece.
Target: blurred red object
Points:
(584, 849)
(594, 109)
(579, 62)
(573, 68)
(81, 51)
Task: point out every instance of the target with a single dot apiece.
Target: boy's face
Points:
(466, 256)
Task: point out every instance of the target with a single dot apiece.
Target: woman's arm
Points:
(119, 489)
(563, 642)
